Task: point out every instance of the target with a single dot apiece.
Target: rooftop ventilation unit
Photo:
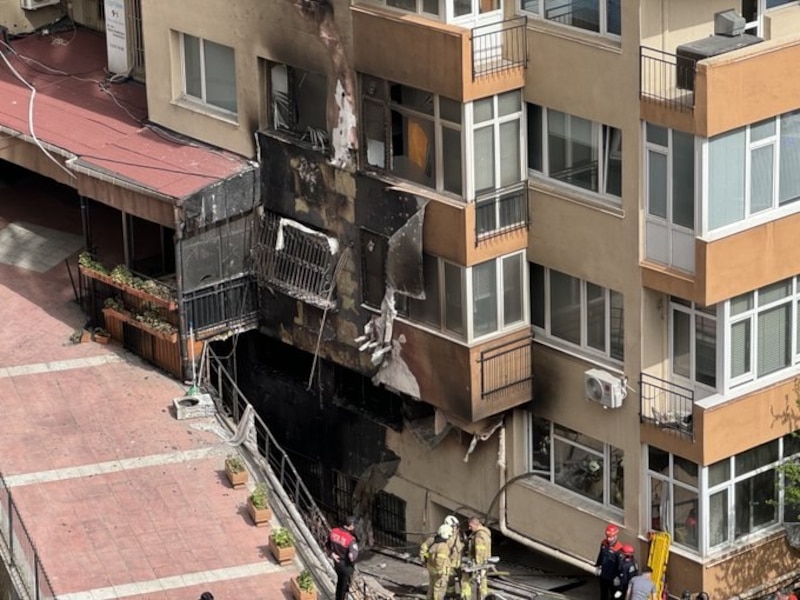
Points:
(728, 23)
(35, 4)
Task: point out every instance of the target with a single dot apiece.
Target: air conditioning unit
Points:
(34, 4)
(604, 388)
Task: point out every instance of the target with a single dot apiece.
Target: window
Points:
(298, 103)
(209, 72)
(412, 133)
(753, 169)
(600, 16)
(693, 342)
(452, 9)
(374, 251)
(578, 312)
(496, 290)
(577, 462)
(673, 487)
(575, 151)
(670, 176)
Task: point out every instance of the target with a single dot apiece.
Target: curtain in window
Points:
(774, 342)
(740, 348)
(726, 179)
(761, 179)
(790, 158)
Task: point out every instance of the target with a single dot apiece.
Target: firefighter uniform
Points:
(438, 565)
(479, 549)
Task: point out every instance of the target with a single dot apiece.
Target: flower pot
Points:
(283, 556)
(236, 479)
(299, 594)
(260, 516)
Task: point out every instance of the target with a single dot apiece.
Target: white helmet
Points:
(445, 531)
(594, 466)
(451, 520)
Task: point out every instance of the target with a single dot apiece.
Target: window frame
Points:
(694, 312)
(319, 137)
(601, 152)
(602, 12)
(201, 55)
(583, 345)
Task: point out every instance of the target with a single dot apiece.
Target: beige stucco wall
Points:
(666, 24)
(280, 35)
(24, 21)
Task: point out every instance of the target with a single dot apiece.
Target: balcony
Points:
(470, 383)
(667, 406)
(714, 95)
(456, 62)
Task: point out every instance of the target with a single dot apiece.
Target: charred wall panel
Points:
(220, 201)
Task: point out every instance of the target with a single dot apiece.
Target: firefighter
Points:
(456, 546)
(607, 563)
(479, 549)
(628, 569)
(437, 561)
(450, 520)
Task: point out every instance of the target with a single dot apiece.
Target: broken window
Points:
(374, 252)
(296, 260)
(298, 101)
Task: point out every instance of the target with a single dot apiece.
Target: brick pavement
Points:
(121, 499)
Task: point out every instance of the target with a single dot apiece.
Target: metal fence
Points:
(667, 405)
(499, 47)
(233, 403)
(503, 211)
(222, 306)
(666, 78)
(20, 552)
(506, 368)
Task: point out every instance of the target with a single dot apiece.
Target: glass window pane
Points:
(659, 504)
(430, 6)
(512, 290)
(740, 348)
(220, 73)
(310, 98)
(429, 309)
(684, 470)
(192, 66)
(726, 161)
(685, 516)
(757, 457)
(742, 303)
(530, 5)
(595, 317)
(537, 295)
(540, 444)
(789, 174)
(451, 155)
(412, 149)
(484, 159)
(454, 293)
(657, 135)
(756, 503)
(612, 148)
(418, 100)
(791, 444)
(657, 184)
(462, 7)
(719, 472)
(410, 5)
(681, 344)
(484, 298)
(375, 132)
(571, 150)
(508, 103)
(449, 110)
(617, 349)
(613, 17)
(578, 470)
(565, 307)
(762, 130)
(535, 152)
(617, 491)
(657, 460)
(774, 292)
(483, 110)
(489, 5)
(510, 166)
(718, 518)
(761, 180)
(774, 340)
(683, 179)
(705, 351)
(486, 216)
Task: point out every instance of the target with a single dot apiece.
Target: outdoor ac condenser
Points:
(35, 4)
(604, 388)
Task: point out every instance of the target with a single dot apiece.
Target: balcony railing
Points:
(499, 47)
(667, 405)
(500, 212)
(18, 551)
(666, 78)
(225, 305)
(507, 368)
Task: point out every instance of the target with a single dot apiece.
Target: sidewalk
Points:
(121, 499)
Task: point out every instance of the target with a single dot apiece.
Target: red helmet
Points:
(628, 550)
(612, 530)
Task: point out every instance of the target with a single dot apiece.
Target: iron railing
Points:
(667, 78)
(507, 368)
(222, 306)
(233, 404)
(18, 550)
(501, 212)
(667, 405)
(499, 47)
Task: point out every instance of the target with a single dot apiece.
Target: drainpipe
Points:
(503, 520)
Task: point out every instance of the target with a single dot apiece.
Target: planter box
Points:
(260, 516)
(152, 298)
(127, 317)
(238, 479)
(283, 556)
(299, 594)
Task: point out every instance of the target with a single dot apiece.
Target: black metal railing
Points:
(19, 551)
(667, 405)
(499, 47)
(501, 212)
(222, 306)
(667, 78)
(507, 368)
(233, 404)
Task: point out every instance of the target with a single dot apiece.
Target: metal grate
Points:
(222, 306)
(666, 79)
(501, 212)
(499, 47)
(667, 405)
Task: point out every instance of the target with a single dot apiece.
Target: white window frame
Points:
(539, 13)
(202, 99)
(604, 456)
(446, 11)
(601, 137)
(693, 312)
(584, 344)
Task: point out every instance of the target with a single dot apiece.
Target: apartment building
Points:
(578, 331)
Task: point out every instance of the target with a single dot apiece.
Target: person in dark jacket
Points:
(628, 569)
(343, 549)
(608, 560)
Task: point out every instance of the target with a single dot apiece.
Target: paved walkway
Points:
(121, 499)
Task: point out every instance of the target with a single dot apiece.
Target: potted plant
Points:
(235, 470)
(100, 335)
(281, 545)
(303, 586)
(258, 505)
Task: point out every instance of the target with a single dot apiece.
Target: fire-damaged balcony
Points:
(456, 62)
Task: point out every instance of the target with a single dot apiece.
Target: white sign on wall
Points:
(116, 36)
